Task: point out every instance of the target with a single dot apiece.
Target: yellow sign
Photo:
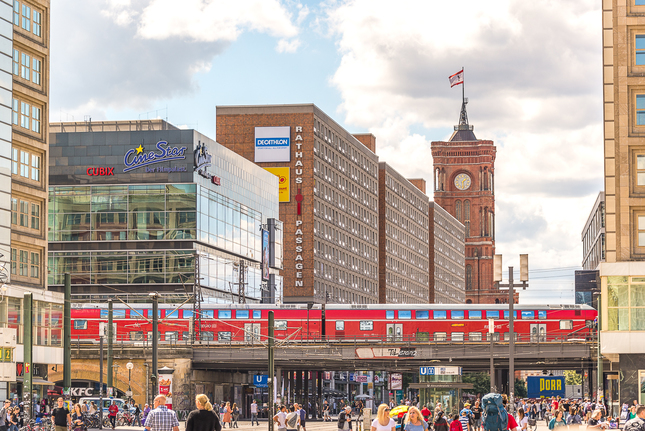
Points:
(550, 385)
(284, 181)
(7, 354)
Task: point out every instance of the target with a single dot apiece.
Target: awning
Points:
(36, 381)
(441, 385)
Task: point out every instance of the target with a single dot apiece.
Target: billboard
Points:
(284, 181)
(273, 144)
(396, 381)
(265, 255)
(545, 386)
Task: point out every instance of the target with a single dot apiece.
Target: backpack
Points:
(495, 415)
(292, 419)
(635, 424)
(342, 418)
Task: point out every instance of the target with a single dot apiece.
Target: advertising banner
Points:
(265, 255)
(440, 371)
(165, 388)
(283, 175)
(545, 386)
(396, 381)
(273, 144)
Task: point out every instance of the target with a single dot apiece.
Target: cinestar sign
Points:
(273, 144)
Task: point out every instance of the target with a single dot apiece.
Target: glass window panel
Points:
(637, 293)
(528, 315)
(475, 336)
(637, 319)
(170, 314)
(640, 41)
(617, 295)
(210, 336)
(440, 314)
(187, 314)
(640, 160)
(405, 314)
(640, 177)
(116, 314)
(389, 314)
(492, 314)
(242, 314)
(281, 325)
(224, 314)
(208, 314)
(422, 314)
(224, 336)
(80, 324)
(340, 325)
(618, 319)
(440, 336)
(457, 336)
(257, 314)
(457, 314)
(472, 314)
(541, 315)
(366, 325)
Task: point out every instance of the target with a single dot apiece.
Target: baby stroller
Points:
(531, 425)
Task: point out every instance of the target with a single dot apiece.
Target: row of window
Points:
(25, 263)
(25, 213)
(187, 314)
(460, 314)
(27, 18)
(368, 325)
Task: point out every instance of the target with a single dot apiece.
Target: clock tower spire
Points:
(464, 172)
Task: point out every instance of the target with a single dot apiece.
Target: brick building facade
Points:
(464, 169)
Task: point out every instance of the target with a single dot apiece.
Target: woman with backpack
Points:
(440, 422)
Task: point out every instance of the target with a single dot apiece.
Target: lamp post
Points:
(524, 278)
(129, 366)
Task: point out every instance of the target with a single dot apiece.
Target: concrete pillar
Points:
(298, 397)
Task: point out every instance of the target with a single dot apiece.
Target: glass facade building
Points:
(175, 222)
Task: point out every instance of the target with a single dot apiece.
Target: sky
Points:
(532, 77)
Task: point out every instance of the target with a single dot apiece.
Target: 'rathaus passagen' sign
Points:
(138, 157)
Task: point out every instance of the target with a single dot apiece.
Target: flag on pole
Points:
(457, 78)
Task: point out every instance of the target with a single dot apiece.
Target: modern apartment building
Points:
(448, 274)
(593, 235)
(622, 274)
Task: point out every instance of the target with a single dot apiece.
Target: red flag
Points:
(457, 78)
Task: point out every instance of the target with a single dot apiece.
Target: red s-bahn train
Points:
(244, 323)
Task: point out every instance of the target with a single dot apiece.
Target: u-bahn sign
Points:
(386, 352)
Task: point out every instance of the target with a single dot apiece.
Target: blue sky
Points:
(533, 78)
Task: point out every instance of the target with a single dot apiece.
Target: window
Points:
(35, 216)
(30, 116)
(469, 277)
(208, 336)
(281, 325)
(640, 49)
(542, 315)
(24, 213)
(35, 123)
(224, 336)
(389, 314)
(257, 314)
(116, 314)
(172, 314)
(225, 314)
(528, 315)
(366, 325)
(36, 66)
(457, 314)
(641, 230)
(136, 335)
(566, 324)
(495, 336)
(14, 261)
(440, 336)
(14, 161)
(25, 68)
(640, 109)
(340, 325)
(506, 336)
(80, 324)
(405, 314)
(422, 314)
(16, 62)
(25, 120)
(472, 314)
(171, 336)
(37, 17)
(14, 211)
(242, 314)
(475, 336)
(492, 314)
(26, 17)
(24, 263)
(16, 13)
(457, 336)
(35, 265)
(208, 314)
(440, 314)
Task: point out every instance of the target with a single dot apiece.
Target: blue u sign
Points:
(426, 371)
(261, 381)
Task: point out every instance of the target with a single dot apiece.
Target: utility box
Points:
(367, 418)
(8, 337)
(7, 371)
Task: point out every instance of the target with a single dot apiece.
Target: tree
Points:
(520, 389)
(571, 377)
(480, 381)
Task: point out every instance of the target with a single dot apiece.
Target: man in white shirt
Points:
(281, 418)
(254, 412)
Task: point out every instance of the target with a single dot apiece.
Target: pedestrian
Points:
(62, 419)
(638, 423)
(455, 425)
(146, 411)
(383, 421)
(161, 418)
(440, 420)
(464, 418)
(4, 426)
(113, 411)
(302, 419)
(254, 413)
(204, 418)
(78, 419)
(574, 420)
(235, 413)
(522, 419)
(281, 418)
(557, 421)
(326, 416)
(15, 412)
(227, 415)
(477, 416)
(345, 419)
(292, 418)
(137, 415)
(414, 420)
(594, 420)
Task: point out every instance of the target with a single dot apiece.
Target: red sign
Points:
(216, 180)
(100, 171)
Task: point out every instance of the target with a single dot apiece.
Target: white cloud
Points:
(534, 84)
(289, 46)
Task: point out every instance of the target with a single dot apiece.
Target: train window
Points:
(475, 336)
(150, 336)
(280, 325)
(440, 336)
(136, 335)
(422, 314)
(566, 324)
(457, 314)
(185, 335)
(440, 314)
(188, 314)
(457, 336)
(172, 314)
(257, 314)
(242, 314)
(138, 314)
(340, 325)
(208, 314)
(495, 336)
(223, 336)
(209, 335)
(116, 314)
(423, 337)
(405, 314)
(528, 315)
(224, 314)
(366, 325)
(542, 315)
(171, 336)
(492, 314)
(506, 337)
(80, 324)
(389, 314)
(472, 314)
(506, 314)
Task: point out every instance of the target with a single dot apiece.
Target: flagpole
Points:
(463, 85)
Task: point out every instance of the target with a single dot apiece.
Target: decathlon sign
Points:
(273, 144)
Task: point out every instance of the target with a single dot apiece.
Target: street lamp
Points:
(129, 366)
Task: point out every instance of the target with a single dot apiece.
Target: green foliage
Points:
(480, 381)
(571, 377)
(520, 389)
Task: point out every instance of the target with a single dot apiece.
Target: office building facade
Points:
(141, 206)
(593, 235)
(447, 257)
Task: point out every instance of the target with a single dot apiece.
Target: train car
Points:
(456, 323)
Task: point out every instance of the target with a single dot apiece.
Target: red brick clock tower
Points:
(464, 169)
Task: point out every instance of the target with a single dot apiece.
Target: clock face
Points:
(462, 181)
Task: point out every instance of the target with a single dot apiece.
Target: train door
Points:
(538, 332)
(252, 332)
(394, 332)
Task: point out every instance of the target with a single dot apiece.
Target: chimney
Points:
(419, 183)
(368, 140)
